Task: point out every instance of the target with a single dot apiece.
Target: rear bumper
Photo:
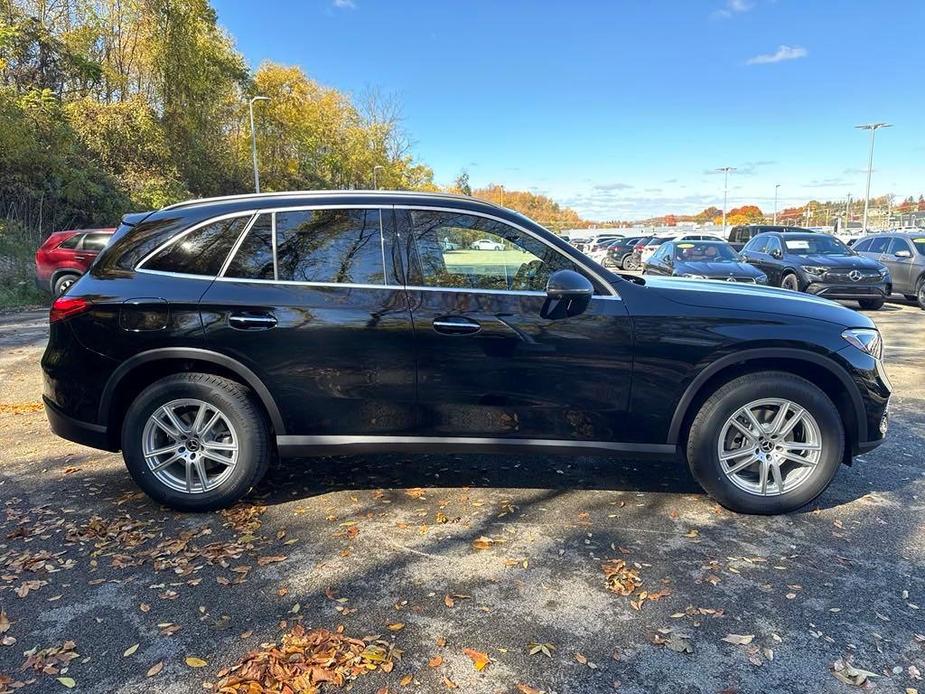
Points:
(84, 433)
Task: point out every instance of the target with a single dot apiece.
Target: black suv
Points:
(213, 334)
(819, 264)
(742, 234)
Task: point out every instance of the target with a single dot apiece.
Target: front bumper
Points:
(84, 433)
(878, 290)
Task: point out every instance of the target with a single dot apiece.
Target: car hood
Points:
(755, 298)
(721, 269)
(850, 262)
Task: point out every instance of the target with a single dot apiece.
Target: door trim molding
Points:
(292, 445)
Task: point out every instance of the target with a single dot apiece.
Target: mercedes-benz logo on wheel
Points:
(855, 275)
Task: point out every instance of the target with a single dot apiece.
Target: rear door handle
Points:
(456, 325)
(252, 321)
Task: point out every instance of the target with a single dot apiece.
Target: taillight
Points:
(67, 306)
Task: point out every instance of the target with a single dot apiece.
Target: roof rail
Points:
(319, 193)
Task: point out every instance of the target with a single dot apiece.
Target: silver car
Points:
(903, 253)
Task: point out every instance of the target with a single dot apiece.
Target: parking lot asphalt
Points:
(452, 558)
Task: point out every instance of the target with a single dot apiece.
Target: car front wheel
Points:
(195, 442)
(766, 443)
(791, 282)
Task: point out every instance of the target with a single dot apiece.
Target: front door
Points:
(489, 364)
(311, 305)
(900, 266)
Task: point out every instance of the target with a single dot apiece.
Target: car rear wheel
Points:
(920, 293)
(195, 442)
(791, 282)
(63, 283)
(871, 304)
(628, 262)
(766, 443)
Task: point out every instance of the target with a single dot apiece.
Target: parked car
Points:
(487, 245)
(586, 245)
(903, 254)
(819, 264)
(621, 253)
(640, 246)
(656, 241)
(702, 260)
(600, 244)
(66, 255)
(212, 335)
(742, 234)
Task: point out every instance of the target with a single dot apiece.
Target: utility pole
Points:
(776, 187)
(725, 171)
(873, 127)
(375, 182)
(254, 140)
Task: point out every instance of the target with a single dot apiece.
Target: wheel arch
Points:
(819, 370)
(141, 370)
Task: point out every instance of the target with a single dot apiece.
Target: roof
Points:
(372, 194)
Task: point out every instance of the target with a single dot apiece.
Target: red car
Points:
(66, 255)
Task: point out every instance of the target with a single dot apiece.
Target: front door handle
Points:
(252, 321)
(456, 325)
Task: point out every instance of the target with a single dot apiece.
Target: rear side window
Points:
(879, 245)
(95, 242)
(863, 245)
(71, 242)
(340, 246)
(254, 259)
(201, 251)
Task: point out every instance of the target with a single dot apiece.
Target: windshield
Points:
(819, 244)
(705, 252)
(919, 242)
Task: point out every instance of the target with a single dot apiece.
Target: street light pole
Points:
(873, 127)
(375, 169)
(725, 171)
(776, 187)
(250, 106)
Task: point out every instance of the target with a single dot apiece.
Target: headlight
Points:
(865, 339)
(884, 272)
(818, 270)
(761, 279)
(693, 277)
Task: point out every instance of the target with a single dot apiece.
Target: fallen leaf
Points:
(847, 673)
(155, 669)
(263, 561)
(397, 626)
(479, 660)
(483, 543)
(67, 682)
(739, 639)
(436, 661)
(406, 680)
(527, 689)
(195, 662)
(130, 650)
(544, 648)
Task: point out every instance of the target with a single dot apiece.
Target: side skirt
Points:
(295, 446)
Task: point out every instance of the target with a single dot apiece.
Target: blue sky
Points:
(621, 109)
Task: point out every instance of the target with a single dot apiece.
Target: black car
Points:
(819, 264)
(742, 234)
(620, 252)
(702, 260)
(212, 335)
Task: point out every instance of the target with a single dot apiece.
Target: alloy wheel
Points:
(769, 447)
(190, 445)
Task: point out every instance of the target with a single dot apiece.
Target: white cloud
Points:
(345, 4)
(781, 54)
(733, 7)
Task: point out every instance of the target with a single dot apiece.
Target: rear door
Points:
(900, 266)
(489, 364)
(311, 302)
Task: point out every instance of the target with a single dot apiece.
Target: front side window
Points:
(897, 245)
(71, 242)
(202, 251)
(340, 246)
(773, 245)
(759, 244)
(863, 245)
(459, 250)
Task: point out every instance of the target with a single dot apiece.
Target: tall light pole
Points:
(776, 188)
(250, 106)
(725, 171)
(873, 127)
(375, 169)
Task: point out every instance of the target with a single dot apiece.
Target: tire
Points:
(63, 282)
(244, 424)
(711, 423)
(920, 293)
(627, 262)
(871, 304)
(790, 281)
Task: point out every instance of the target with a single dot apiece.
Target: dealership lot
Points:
(504, 556)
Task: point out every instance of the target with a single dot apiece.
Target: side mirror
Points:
(567, 294)
(777, 254)
(904, 253)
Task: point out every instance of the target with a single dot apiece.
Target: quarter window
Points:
(862, 246)
(472, 252)
(201, 251)
(879, 244)
(254, 259)
(95, 242)
(324, 245)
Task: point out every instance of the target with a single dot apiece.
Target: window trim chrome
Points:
(198, 225)
(519, 227)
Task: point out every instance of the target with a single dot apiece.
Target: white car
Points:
(649, 250)
(487, 245)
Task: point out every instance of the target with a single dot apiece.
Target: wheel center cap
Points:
(766, 446)
(192, 445)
